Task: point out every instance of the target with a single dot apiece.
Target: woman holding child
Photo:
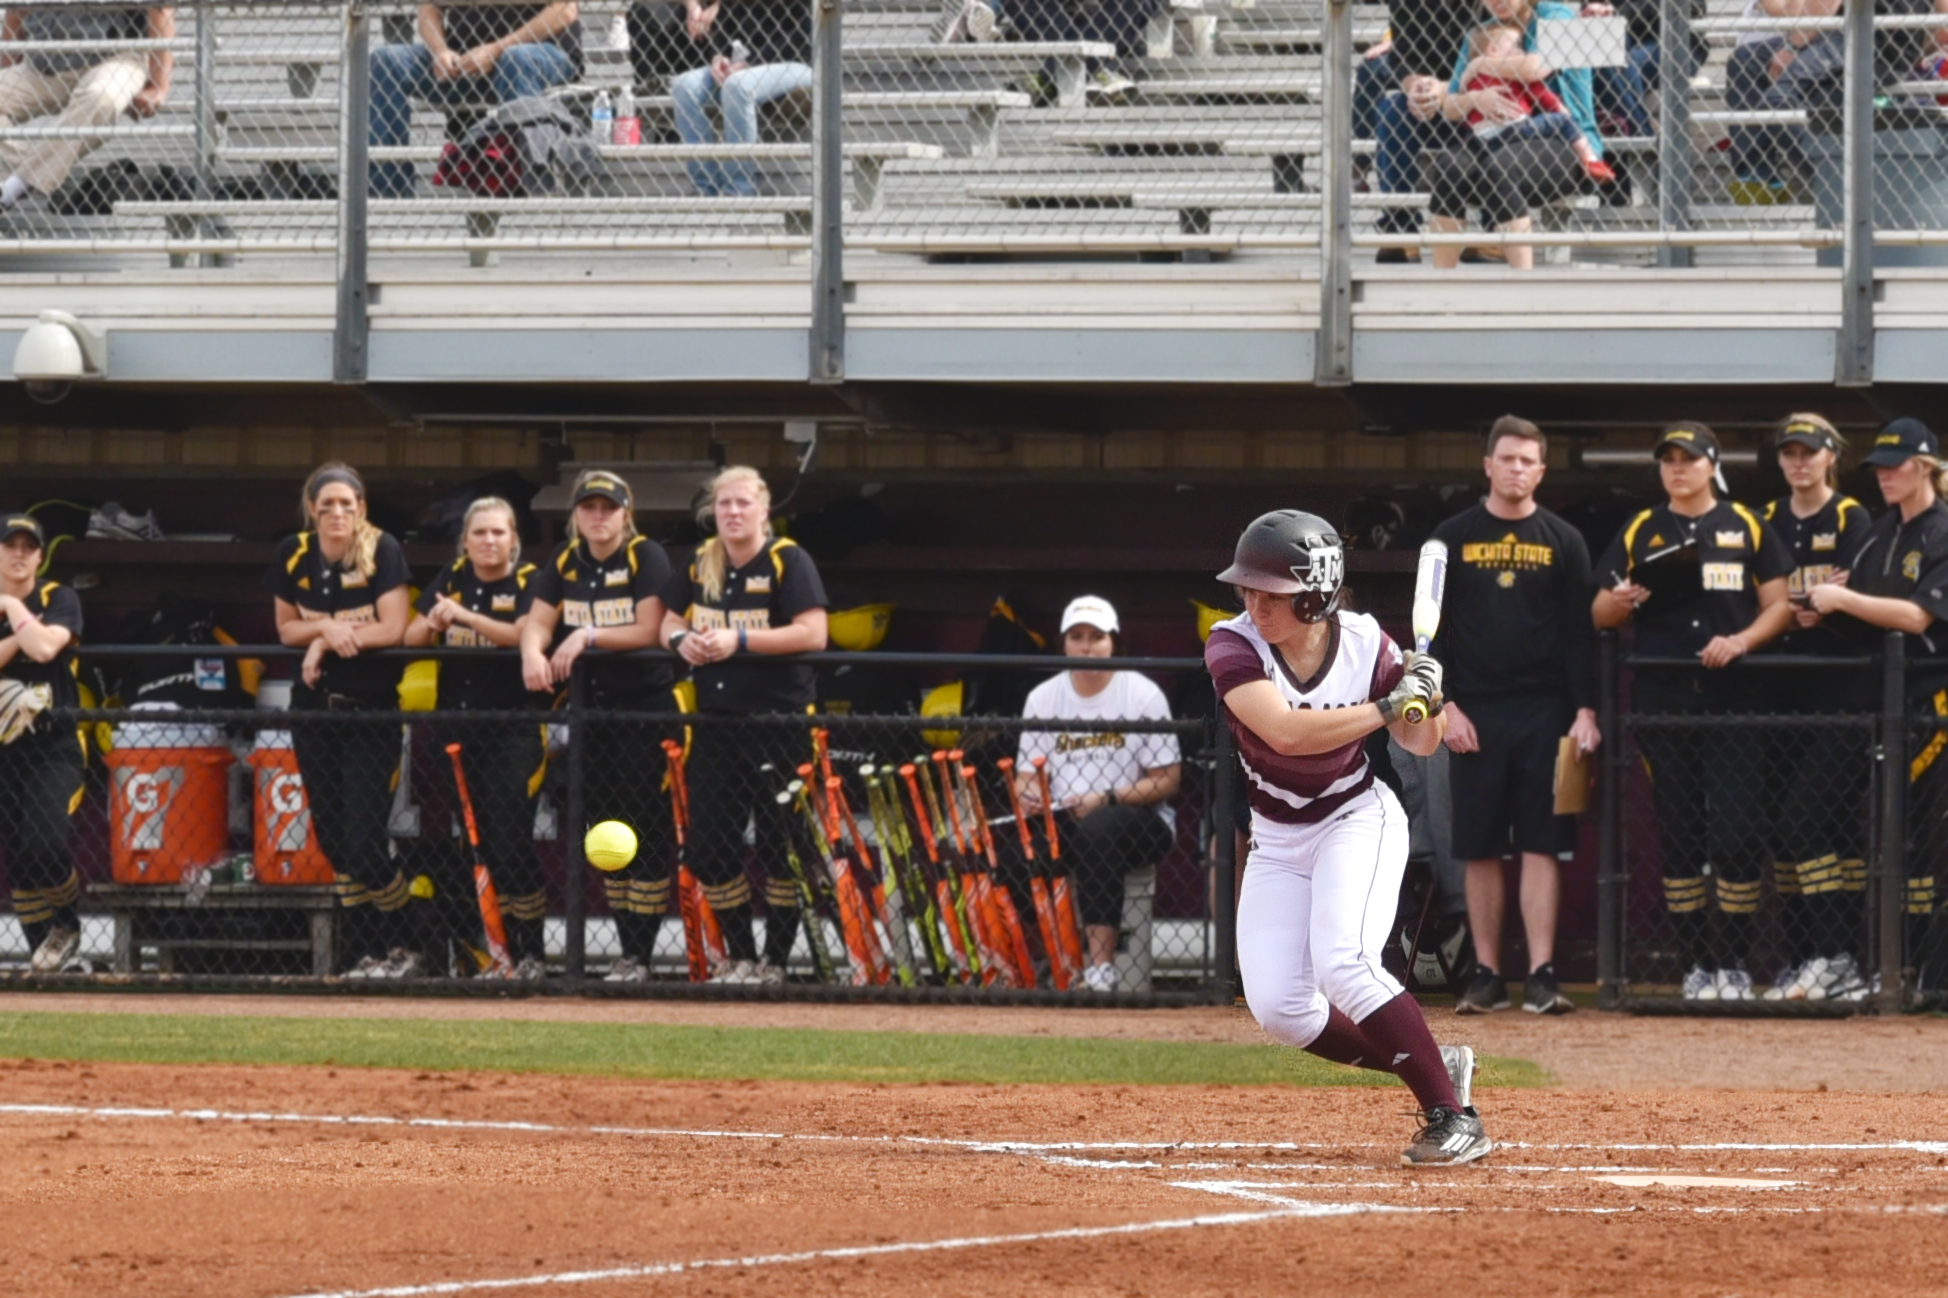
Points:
(1532, 132)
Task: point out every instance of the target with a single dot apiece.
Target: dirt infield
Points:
(294, 1181)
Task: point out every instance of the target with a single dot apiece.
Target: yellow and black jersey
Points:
(472, 684)
(1517, 621)
(300, 576)
(604, 593)
(55, 605)
(1822, 544)
(778, 584)
(1905, 560)
(1710, 570)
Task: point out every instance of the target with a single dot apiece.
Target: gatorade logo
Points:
(290, 818)
(146, 797)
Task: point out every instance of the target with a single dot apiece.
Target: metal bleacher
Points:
(949, 148)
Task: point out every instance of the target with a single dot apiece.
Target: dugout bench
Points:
(244, 918)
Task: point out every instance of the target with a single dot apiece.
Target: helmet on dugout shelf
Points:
(1290, 552)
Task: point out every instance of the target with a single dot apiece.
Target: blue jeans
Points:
(739, 97)
(1372, 78)
(403, 73)
(1399, 139)
(1626, 91)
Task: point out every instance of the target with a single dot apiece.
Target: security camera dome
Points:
(48, 391)
(56, 352)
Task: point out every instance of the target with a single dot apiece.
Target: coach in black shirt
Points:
(1519, 654)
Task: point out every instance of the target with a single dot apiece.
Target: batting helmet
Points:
(1289, 552)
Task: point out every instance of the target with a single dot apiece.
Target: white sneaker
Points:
(532, 969)
(1108, 83)
(373, 966)
(735, 973)
(1782, 983)
(627, 970)
(1700, 985)
(1460, 1061)
(1100, 978)
(55, 950)
(1809, 975)
(401, 963)
(1842, 978)
(1734, 985)
(769, 975)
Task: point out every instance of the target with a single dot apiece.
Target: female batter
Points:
(599, 591)
(339, 590)
(1303, 684)
(744, 597)
(480, 601)
(40, 757)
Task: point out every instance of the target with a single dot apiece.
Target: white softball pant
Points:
(1317, 907)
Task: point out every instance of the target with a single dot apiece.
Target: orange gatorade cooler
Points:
(286, 843)
(168, 802)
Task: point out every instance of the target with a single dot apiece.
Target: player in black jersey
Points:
(40, 755)
(1521, 674)
(1899, 582)
(599, 590)
(745, 593)
(1819, 862)
(480, 600)
(1704, 580)
(339, 590)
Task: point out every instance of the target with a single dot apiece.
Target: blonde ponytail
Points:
(713, 557)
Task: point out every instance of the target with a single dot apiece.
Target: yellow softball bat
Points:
(610, 845)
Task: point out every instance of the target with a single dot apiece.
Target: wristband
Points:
(589, 631)
(743, 640)
(676, 641)
(1388, 712)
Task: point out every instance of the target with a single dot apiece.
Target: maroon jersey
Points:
(1362, 665)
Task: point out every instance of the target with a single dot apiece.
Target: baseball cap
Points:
(607, 486)
(1699, 442)
(1901, 441)
(1092, 610)
(24, 523)
(1809, 430)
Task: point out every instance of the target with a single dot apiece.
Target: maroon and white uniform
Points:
(1329, 844)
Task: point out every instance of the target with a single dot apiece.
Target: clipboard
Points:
(1572, 778)
(1673, 575)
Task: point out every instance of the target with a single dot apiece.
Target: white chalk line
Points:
(980, 1146)
(1288, 1209)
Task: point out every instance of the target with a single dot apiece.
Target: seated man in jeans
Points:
(85, 89)
(754, 51)
(470, 53)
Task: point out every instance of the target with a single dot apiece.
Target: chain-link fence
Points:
(1640, 131)
(1748, 860)
(577, 846)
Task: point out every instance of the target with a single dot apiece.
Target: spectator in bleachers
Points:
(1780, 72)
(1416, 119)
(755, 51)
(1111, 791)
(469, 54)
(1623, 94)
(84, 89)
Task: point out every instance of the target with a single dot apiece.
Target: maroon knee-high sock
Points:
(1343, 1043)
(1397, 1032)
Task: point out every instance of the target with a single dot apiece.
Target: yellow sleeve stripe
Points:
(1753, 527)
(1630, 541)
(297, 555)
(778, 557)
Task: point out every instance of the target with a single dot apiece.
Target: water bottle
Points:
(628, 127)
(602, 119)
(740, 53)
(618, 33)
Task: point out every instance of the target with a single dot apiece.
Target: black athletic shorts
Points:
(1505, 794)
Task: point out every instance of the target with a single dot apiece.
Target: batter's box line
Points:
(1290, 1209)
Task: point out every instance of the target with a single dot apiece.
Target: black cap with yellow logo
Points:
(1809, 431)
(1697, 441)
(607, 486)
(1901, 441)
(17, 523)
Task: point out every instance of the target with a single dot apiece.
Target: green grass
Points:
(681, 1053)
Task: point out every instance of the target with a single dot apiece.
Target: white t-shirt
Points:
(1086, 761)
